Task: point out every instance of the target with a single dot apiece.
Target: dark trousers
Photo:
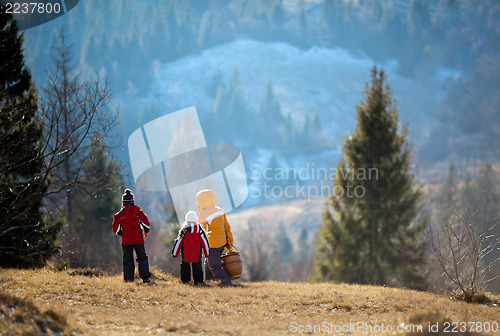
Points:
(128, 262)
(186, 272)
(215, 265)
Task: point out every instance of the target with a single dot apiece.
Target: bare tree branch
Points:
(466, 244)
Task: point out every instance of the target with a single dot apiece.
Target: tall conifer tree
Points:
(369, 234)
(25, 240)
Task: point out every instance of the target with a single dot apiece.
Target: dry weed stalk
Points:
(467, 250)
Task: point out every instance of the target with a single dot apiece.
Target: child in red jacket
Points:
(133, 225)
(190, 242)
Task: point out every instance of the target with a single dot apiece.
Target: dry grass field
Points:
(46, 302)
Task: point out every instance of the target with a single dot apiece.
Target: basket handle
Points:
(231, 249)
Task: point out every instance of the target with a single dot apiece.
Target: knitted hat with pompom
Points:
(128, 198)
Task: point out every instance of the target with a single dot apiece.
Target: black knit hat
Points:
(128, 198)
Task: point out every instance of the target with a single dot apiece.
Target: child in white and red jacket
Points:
(190, 242)
(133, 225)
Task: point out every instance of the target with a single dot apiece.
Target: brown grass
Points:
(89, 272)
(23, 317)
(108, 306)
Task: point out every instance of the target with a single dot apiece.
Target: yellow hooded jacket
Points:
(213, 220)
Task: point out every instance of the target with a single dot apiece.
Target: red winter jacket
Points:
(191, 240)
(129, 223)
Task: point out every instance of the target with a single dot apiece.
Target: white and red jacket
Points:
(190, 241)
(129, 223)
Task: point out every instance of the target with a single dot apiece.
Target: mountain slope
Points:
(294, 215)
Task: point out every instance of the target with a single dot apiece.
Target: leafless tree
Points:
(74, 114)
(467, 250)
(257, 253)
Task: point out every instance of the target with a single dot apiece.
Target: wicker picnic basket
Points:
(231, 262)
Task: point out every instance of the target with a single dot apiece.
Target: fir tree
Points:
(203, 32)
(329, 15)
(25, 239)
(236, 104)
(269, 106)
(303, 26)
(317, 124)
(149, 112)
(448, 191)
(220, 104)
(303, 247)
(419, 17)
(278, 14)
(302, 266)
(285, 247)
(465, 195)
(306, 129)
(215, 83)
(97, 246)
(486, 188)
(282, 256)
(370, 236)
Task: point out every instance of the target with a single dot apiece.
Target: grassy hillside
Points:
(107, 306)
(295, 215)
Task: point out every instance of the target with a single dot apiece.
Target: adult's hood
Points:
(206, 205)
(205, 199)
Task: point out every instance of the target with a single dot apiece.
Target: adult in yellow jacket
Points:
(214, 222)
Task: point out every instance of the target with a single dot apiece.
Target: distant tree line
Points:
(277, 256)
(421, 35)
(265, 125)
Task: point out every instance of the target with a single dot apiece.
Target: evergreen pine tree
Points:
(328, 20)
(270, 124)
(285, 247)
(148, 113)
(317, 124)
(282, 256)
(303, 247)
(278, 14)
(302, 266)
(236, 104)
(269, 106)
(94, 210)
(215, 83)
(370, 236)
(204, 29)
(447, 194)
(466, 193)
(303, 26)
(419, 25)
(419, 17)
(219, 106)
(486, 188)
(306, 130)
(25, 239)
